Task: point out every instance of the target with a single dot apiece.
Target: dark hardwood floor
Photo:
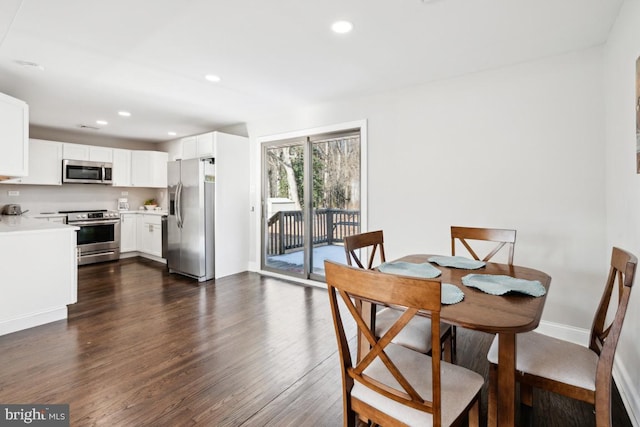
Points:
(145, 348)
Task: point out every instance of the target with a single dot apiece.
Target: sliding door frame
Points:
(305, 134)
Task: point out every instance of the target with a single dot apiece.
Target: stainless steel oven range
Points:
(98, 236)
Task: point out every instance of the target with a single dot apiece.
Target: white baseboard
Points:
(32, 320)
(303, 282)
(564, 332)
(143, 255)
(628, 390)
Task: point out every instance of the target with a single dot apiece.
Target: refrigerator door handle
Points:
(179, 205)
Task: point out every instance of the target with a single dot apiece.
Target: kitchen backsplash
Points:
(44, 198)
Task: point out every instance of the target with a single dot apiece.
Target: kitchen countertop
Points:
(26, 224)
(46, 215)
(146, 212)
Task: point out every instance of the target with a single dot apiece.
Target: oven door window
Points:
(84, 172)
(89, 234)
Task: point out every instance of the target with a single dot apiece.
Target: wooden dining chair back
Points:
(418, 335)
(374, 240)
(503, 237)
(570, 369)
(393, 384)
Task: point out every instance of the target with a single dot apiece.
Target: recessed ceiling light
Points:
(172, 133)
(102, 122)
(342, 27)
(30, 64)
(124, 113)
(212, 78)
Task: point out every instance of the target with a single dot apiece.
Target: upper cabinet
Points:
(121, 168)
(45, 158)
(14, 137)
(149, 169)
(205, 145)
(87, 153)
(131, 168)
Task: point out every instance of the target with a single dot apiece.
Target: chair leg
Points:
(526, 405)
(454, 345)
(492, 414)
(474, 414)
(447, 351)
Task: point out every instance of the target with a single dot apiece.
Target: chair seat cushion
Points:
(459, 386)
(552, 358)
(415, 335)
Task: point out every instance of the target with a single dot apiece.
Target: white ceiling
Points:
(149, 57)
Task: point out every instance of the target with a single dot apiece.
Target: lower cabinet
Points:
(151, 235)
(60, 219)
(128, 235)
(141, 232)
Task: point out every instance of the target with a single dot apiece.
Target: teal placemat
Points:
(424, 270)
(457, 262)
(451, 294)
(500, 285)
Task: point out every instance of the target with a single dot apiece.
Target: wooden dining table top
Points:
(510, 313)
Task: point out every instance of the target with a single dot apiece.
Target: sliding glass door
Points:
(312, 198)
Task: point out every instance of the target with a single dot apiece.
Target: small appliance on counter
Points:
(13, 209)
(123, 204)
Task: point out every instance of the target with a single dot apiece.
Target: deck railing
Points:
(330, 226)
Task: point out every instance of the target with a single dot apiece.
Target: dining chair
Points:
(392, 384)
(572, 370)
(503, 237)
(417, 334)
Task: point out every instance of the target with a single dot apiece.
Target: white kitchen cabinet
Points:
(189, 147)
(59, 219)
(151, 235)
(101, 154)
(39, 272)
(14, 137)
(159, 161)
(87, 153)
(45, 164)
(149, 169)
(128, 232)
(121, 168)
(203, 145)
(75, 151)
(141, 232)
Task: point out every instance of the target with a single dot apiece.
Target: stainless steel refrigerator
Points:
(190, 223)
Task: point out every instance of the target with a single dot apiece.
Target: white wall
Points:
(623, 183)
(519, 147)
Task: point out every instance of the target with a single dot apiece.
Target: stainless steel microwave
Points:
(84, 172)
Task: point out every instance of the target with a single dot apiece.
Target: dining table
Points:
(506, 315)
